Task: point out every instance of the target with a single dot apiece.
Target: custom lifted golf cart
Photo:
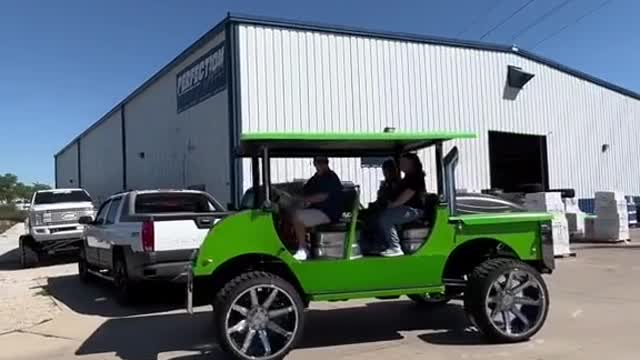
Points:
(493, 260)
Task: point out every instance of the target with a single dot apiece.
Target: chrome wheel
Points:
(515, 303)
(261, 322)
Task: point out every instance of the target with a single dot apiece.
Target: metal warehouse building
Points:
(538, 122)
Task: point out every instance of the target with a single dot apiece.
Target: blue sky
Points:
(63, 64)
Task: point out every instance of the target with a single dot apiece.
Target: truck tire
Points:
(126, 293)
(28, 256)
(258, 315)
(507, 300)
(83, 266)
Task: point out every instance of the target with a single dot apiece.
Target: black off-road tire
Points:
(83, 266)
(226, 297)
(479, 284)
(28, 256)
(126, 289)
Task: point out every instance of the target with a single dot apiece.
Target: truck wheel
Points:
(125, 288)
(258, 316)
(83, 266)
(28, 256)
(507, 300)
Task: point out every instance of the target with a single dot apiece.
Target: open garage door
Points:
(518, 162)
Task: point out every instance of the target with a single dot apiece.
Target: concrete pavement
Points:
(594, 302)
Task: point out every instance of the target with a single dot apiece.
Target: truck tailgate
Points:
(181, 234)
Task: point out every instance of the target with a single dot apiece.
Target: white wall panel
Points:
(180, 150)
(311, 81)
(101, 158)
(67, 167)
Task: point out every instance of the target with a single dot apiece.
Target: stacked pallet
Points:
(612, 217)
(575, 219)
(551, 202)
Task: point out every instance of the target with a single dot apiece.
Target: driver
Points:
(322, 199)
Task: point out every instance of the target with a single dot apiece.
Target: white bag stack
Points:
(552, 203)
(612, 221)
(546, 202)
(575, 219)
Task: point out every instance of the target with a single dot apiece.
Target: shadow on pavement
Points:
(595, 246)
(11, 260)
(454, 337)
(97, 297)
(145, 337)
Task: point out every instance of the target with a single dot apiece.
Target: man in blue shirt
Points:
(322, 203)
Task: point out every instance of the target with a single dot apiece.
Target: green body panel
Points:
(253, 232)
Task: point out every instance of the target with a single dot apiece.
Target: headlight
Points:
(46, 218)
(37, 219)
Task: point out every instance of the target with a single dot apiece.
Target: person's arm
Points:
(404, 196)
(315, 198)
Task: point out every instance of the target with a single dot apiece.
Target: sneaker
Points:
(301, 255)
(391, 252)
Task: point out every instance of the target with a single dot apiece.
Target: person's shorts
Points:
(312, 217)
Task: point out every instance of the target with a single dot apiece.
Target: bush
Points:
(10, 213)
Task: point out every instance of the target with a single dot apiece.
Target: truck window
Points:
(54, 197)
(113, 211)
(158, 203)
(102, 213)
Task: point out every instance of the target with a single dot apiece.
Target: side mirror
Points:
(85, 220)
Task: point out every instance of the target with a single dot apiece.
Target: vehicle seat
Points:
(350, 199)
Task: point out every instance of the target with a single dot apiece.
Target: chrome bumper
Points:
(189, 289)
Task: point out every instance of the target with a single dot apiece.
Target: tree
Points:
(11, 188)
(7, 187)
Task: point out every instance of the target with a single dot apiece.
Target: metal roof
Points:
(355, 31)
(341, 144)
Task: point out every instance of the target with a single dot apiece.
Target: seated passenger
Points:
(322, 203)
(405, 207)
(388, 186)
(369, 241)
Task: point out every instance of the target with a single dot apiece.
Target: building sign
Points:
(201, 80)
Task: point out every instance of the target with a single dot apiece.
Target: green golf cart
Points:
(260, 292)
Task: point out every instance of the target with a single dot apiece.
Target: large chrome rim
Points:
(516, 303)
(261, 322)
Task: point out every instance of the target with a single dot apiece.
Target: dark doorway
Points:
(518, 162)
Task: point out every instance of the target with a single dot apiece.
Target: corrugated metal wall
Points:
(294, 80)
(101, 158)
(166, 149)
(67, 167)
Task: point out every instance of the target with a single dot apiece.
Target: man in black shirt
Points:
(322, 202)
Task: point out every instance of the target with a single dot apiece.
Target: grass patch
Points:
(10, 213)
(9, 216)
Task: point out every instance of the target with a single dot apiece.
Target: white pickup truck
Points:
(145, 235)
(52, 225)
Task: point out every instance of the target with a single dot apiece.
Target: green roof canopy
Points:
(342, 144)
